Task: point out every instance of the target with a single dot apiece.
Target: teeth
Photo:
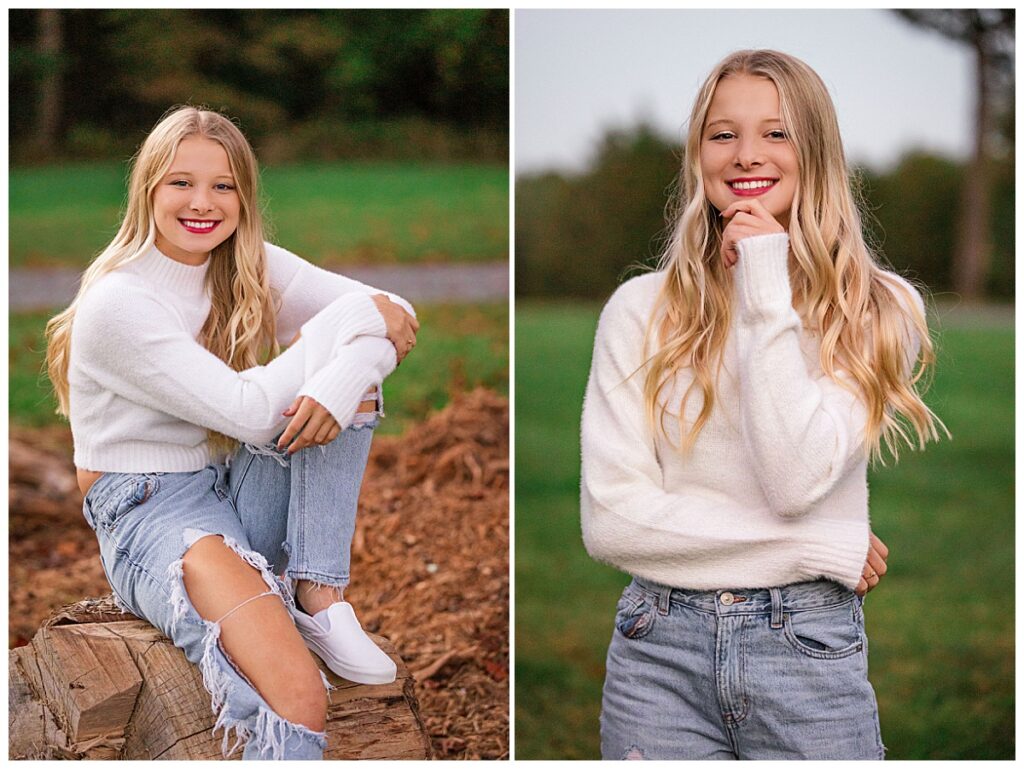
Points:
(751, 185)
(198, 225)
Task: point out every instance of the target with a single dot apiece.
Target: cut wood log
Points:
(96, 683)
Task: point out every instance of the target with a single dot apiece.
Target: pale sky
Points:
(895, 86)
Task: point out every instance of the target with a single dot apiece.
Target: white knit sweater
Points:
(775, 489)
(143, 390)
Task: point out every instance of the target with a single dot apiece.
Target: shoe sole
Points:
(346, 672)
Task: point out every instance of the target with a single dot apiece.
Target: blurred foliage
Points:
(308, 83)
(578, 235)
(912, 215)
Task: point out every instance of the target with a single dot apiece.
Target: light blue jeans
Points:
(291, 516)
(777, 673)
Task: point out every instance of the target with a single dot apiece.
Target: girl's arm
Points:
(305, 289)
(132, 344)
(631, 522)
(803, 430)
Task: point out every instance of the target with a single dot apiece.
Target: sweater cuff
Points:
(340, 385)
(838, 551)
(762, 274)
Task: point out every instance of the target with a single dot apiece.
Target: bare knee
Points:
(303, 699)
(215, 576)
(225, 589)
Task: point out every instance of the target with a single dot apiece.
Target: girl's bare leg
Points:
(259, 637)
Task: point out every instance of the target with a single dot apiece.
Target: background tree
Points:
(49, 49)
(990, 34)
(581, 234)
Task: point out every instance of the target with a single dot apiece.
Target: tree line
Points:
(86, 82)
(582, 234)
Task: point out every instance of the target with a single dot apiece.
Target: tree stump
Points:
(96, 683)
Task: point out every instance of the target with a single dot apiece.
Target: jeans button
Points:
(727, 599)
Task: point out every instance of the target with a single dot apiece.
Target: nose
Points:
(748, 153)
(200, 202)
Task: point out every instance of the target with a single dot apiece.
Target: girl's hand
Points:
(875, 566)
(402, 326)
(311, 424)
(749, 218)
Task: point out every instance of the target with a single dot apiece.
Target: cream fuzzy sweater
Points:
(775, 489)
(143, 390)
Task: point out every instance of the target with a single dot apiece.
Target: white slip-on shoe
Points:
(336, 636)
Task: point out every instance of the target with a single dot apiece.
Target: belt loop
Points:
(663, 599)
(776, 607)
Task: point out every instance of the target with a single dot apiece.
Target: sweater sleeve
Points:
(132, 344)
(804, 432)
(306, 289)
(629, 519)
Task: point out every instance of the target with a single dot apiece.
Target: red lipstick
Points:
(749, 192)
(199, 226)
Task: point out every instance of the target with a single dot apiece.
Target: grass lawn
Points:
(941, 625)
(328, 213)
(458, 348)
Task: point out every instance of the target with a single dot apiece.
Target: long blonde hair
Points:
(240, 327)
(862, 313)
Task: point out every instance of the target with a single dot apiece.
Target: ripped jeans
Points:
(283, 515)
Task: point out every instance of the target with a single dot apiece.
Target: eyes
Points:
(777, 134)
(184, 183)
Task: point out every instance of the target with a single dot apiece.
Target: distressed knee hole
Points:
(254, 559)
(634, 754)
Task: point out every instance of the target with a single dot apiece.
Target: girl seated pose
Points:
(216, 521)
(734, 399)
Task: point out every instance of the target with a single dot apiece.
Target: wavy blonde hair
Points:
(240, 329)
(865, 318)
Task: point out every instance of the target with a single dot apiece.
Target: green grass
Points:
(328, 213)
(941, 625)
(458, 348)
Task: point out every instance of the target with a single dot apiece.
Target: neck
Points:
(192, 260)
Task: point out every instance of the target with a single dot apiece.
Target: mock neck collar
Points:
(171, 274)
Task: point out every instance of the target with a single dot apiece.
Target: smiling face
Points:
(196, 204)
(744, 152)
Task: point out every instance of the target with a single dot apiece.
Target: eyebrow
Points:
(730, 122)
(189, 173)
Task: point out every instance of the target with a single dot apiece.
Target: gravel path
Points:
(50, 288)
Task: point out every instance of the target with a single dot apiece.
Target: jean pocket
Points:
(829, 633)
(119, 497)
(635, 613)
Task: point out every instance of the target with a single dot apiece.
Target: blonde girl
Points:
(735, 398)
(216, 522)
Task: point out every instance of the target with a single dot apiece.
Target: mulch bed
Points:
(429, 565)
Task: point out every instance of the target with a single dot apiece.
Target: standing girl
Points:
(734, 399)
(191, 432)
